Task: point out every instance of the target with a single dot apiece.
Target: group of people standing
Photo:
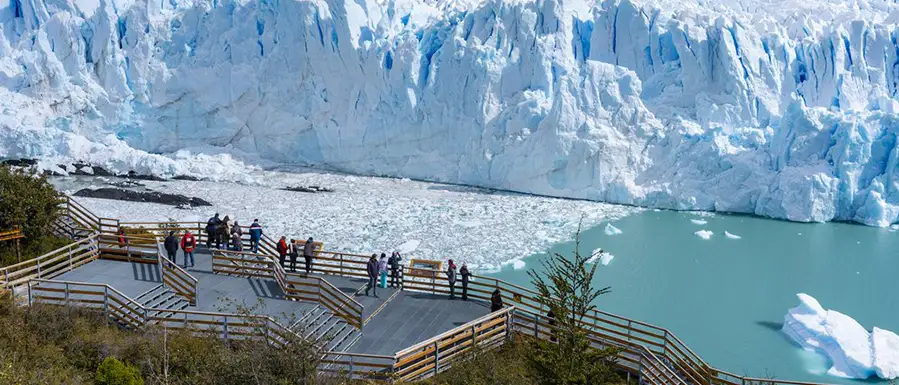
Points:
(224, 232)
(188, 244)
(292, 249)
(377, 269)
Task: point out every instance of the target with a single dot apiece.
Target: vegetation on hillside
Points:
(27, 202)
(45, 344)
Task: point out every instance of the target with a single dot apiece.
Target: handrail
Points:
(176, 278)
(53, 263)
(455, 330)
(265, 266)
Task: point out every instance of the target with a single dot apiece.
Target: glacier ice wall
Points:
(690, 104)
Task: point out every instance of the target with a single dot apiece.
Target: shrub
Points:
(29, 202)
(115, 372)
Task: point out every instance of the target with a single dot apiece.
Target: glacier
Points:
(852, 350)
(690, 105)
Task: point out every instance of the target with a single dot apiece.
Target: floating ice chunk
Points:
(606, 258)
(886, 353)
(517, 264)
(853, 352)
(699, 221)
(704, 234)
(408, 246)
(612, 230)
(732, 236)
(798, 233)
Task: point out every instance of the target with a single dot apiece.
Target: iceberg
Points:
(612, 230)
(699, 221)
(704, 234)
(686, 105)
(852, 350)
(732, 236)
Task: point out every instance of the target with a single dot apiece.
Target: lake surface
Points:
(726, 298)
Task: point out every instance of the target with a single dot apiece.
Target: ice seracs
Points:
(852, 350)
(688, 105)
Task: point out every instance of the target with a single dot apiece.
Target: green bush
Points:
(115, 372)
(29, 202)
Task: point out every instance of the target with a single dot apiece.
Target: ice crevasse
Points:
(696, 104)
(853, 351)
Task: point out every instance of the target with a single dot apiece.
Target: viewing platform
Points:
(407, 333)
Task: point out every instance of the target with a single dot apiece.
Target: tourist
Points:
(294, 253)
(382, 270)
(236, 229)
(465, 275)
(171, 245)
(224, 231)
(188, 244)
(372, 268)
(236, 243)
(394, 263)
(255, 235)
(212, 227)
(282, 250)
(451, 277)
(123, 240)
(496, 301)
(308, 251)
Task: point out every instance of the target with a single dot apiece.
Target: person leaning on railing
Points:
(451, 278)
(308, 251)
(496, 301)
(294, 253)
(282, 249)
(256, 235)
(394, 263)
(465, 276)
(171, 246)
(212, 226)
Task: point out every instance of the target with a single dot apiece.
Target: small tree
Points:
(28, 202)
(115, 372)
(566, 287)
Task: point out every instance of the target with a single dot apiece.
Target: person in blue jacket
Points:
(255, 235)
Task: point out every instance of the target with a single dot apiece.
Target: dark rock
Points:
(142, 196)
(134, 175)
(97, 170)
(307, 189)
(126, 183)
(186, 177)
(20, 162)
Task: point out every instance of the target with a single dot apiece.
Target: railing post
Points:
(474, 336)
(67, 294)
(226, 327)
(509, 324)
(106, 303)
(29, 293)
(352, 364)
(537, 325)
(70, 259)
(436, 358)
(629, 326)
(38, 267)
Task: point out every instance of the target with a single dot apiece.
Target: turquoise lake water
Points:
(726, 298)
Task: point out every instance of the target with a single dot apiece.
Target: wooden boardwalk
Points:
(408, 318)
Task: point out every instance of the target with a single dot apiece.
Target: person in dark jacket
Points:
(255, 235)
(372, 268)
(294, 253)
(451, 277)
(465, 276)
(224, 232)
(212, 228)
(496, 301)
(282, 250)
(171, 245)
(308, 252)
(394, 263)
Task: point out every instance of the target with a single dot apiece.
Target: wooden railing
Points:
(131, 313)
(176, 278)
(359, 365)
(51, 264)
(652, 352)
(295, 286)
(437, 354)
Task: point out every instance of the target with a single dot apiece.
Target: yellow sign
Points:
(424, 268)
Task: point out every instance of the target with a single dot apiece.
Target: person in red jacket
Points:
(188, 244)
(282, 250)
